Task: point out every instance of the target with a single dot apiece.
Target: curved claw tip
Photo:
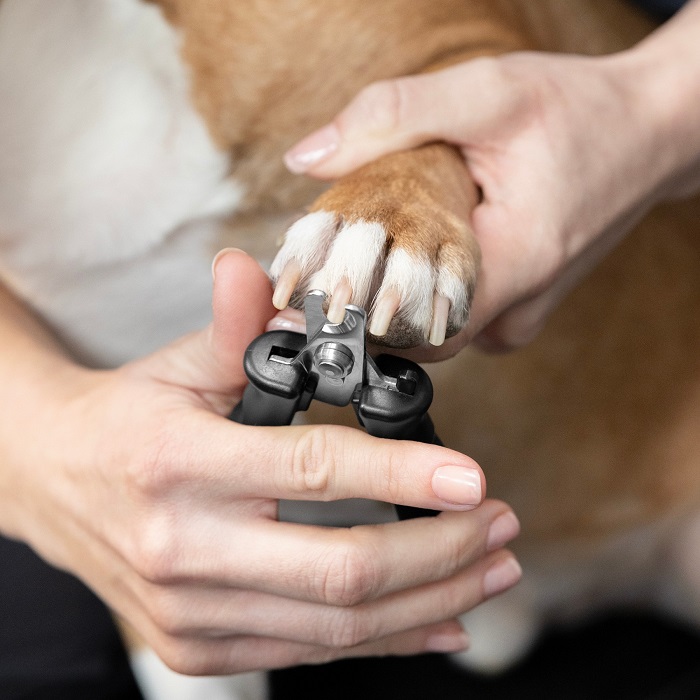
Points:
(438, 326)
(286, 284)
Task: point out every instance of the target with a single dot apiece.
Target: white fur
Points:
(414, 279)
(355, 257)
(306, 242)
(355, 252)
(103, 161)
(452, 287)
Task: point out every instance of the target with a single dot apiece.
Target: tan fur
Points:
(594, 428)
(424, 199)
(262, 83)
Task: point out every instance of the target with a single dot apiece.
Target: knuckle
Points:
(379, 105)
(350, 628)
(152, 472)
(181, 656)
(507, 79)
(391, 474)
(312, 463)
(508, 73)
(457, 551)
(347, 576)
(156, 549)
(166, 613)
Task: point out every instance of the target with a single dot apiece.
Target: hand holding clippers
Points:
(390, 395)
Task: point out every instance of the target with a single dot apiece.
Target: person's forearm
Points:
(34, 370)
(25, 340)
(667, 72)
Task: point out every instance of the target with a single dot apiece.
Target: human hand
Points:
(135, 481)
(566, 151)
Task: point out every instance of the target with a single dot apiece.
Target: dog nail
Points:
(286, 284)
(313, 149)
(438, 328)
(341, 296)
(502, 576)
(384, 311)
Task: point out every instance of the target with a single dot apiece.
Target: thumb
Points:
(397, 114)
(212, 359)
(242, 306)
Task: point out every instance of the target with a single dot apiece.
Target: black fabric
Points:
(57, 640)
(618, 657)
(661, 8)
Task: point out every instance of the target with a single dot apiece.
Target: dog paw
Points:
(392, 238)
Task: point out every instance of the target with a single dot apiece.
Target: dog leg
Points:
(392, 237)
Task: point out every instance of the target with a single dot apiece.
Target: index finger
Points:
(401, 113)
(324, 463)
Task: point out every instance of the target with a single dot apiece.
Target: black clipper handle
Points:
(400, 415)
(277, 390)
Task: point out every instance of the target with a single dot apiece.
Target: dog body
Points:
(139, 138)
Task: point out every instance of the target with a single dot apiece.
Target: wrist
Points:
(663, 78)
(30, 445)
(38, 394)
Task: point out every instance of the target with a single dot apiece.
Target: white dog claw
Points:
(286, 284)
(438, 327)
(341, 296)
(384, 311)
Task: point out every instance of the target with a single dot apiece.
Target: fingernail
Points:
(447, 643)
(218, 257)
(504, 528)
(457, 485)
(283, 324)
(313, 149)
(502, 576)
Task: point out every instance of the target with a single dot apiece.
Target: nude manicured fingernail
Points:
(457, 485)
(313, 149)
(284, 324)
(502, 576)
(504, 528)
(220, 255)
(447, 643)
